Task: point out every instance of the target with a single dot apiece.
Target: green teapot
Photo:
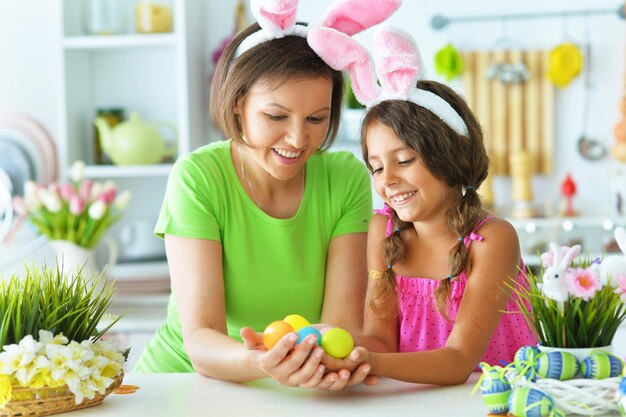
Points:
(135, 142)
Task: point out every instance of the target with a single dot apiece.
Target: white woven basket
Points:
(587, 397)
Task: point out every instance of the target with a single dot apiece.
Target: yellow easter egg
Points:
(296, 321)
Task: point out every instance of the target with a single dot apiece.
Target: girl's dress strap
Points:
(386, 211)
(473, 236)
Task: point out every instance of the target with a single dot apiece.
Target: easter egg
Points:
(556, 364)
(600, 365)
(524, 361)
(296, 321)
(307, 330)
(337, 342)
(274, 332)
(621, 397)
(530, 402)
(495, 391)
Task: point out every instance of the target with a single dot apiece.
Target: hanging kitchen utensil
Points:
(566, 61)
(506, 71)
(590, 149)
(449, 62)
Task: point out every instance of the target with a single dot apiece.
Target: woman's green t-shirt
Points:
(272, 267)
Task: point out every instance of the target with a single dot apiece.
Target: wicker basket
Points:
(587, 397)
(46, 401)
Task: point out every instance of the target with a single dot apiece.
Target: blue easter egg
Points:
(307, 330)
(524, 361)
(600, 365)
(530, 402)
(495, 391)
(556, 364)
(621, 397)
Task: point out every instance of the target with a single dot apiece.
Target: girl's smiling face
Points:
(285, 125)
(401, 178)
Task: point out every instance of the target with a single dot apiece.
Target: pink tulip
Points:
(67, 192)
(77, 205)
(84, 191)
(108, 196)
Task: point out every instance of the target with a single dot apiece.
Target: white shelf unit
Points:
(159, 76)
(592, 233)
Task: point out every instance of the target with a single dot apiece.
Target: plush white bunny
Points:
(553, 283)
(613, 267)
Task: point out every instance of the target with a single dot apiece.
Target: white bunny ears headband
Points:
(398, 67)
(277, 19)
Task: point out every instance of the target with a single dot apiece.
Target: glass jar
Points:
(105, 17)
(154, 16)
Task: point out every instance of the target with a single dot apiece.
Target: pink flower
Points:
(85, 190)
(621, 288)
(583, 283)
(108, 196)
(67, 191)
(77, 205)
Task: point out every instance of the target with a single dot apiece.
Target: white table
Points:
(179, 395)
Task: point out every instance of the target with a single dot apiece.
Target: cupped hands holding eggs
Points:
(335, 341)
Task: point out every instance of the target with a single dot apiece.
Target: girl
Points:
(265, 224)
(437, 262)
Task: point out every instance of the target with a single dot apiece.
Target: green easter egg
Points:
(530, 402)
(600, 365)
(556, 365)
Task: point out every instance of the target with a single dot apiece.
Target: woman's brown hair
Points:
(454, 159)
(274, 62)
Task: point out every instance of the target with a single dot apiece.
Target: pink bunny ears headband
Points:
(277, 19)
(398, 67)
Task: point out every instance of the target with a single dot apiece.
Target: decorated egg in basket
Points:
(524, 361)
(530, 402)
(556, 365)
(600, 365)
(620, 397)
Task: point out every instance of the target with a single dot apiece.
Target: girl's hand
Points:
(289, 364)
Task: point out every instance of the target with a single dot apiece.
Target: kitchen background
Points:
(54, 72)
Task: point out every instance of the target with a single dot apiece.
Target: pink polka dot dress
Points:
(423, 328)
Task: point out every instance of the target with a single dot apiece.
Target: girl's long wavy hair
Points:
(454, 159)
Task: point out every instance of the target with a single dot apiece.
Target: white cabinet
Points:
(159, 76)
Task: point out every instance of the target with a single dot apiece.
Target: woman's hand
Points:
(289, 364)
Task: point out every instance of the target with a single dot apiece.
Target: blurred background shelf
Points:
(117, 171)
(119, 41)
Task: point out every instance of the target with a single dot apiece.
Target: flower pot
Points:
(579, 353)
(74, 258)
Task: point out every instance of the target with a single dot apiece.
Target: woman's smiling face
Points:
(285, 125)
(402, 179)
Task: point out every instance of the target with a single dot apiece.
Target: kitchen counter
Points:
(183, 395)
